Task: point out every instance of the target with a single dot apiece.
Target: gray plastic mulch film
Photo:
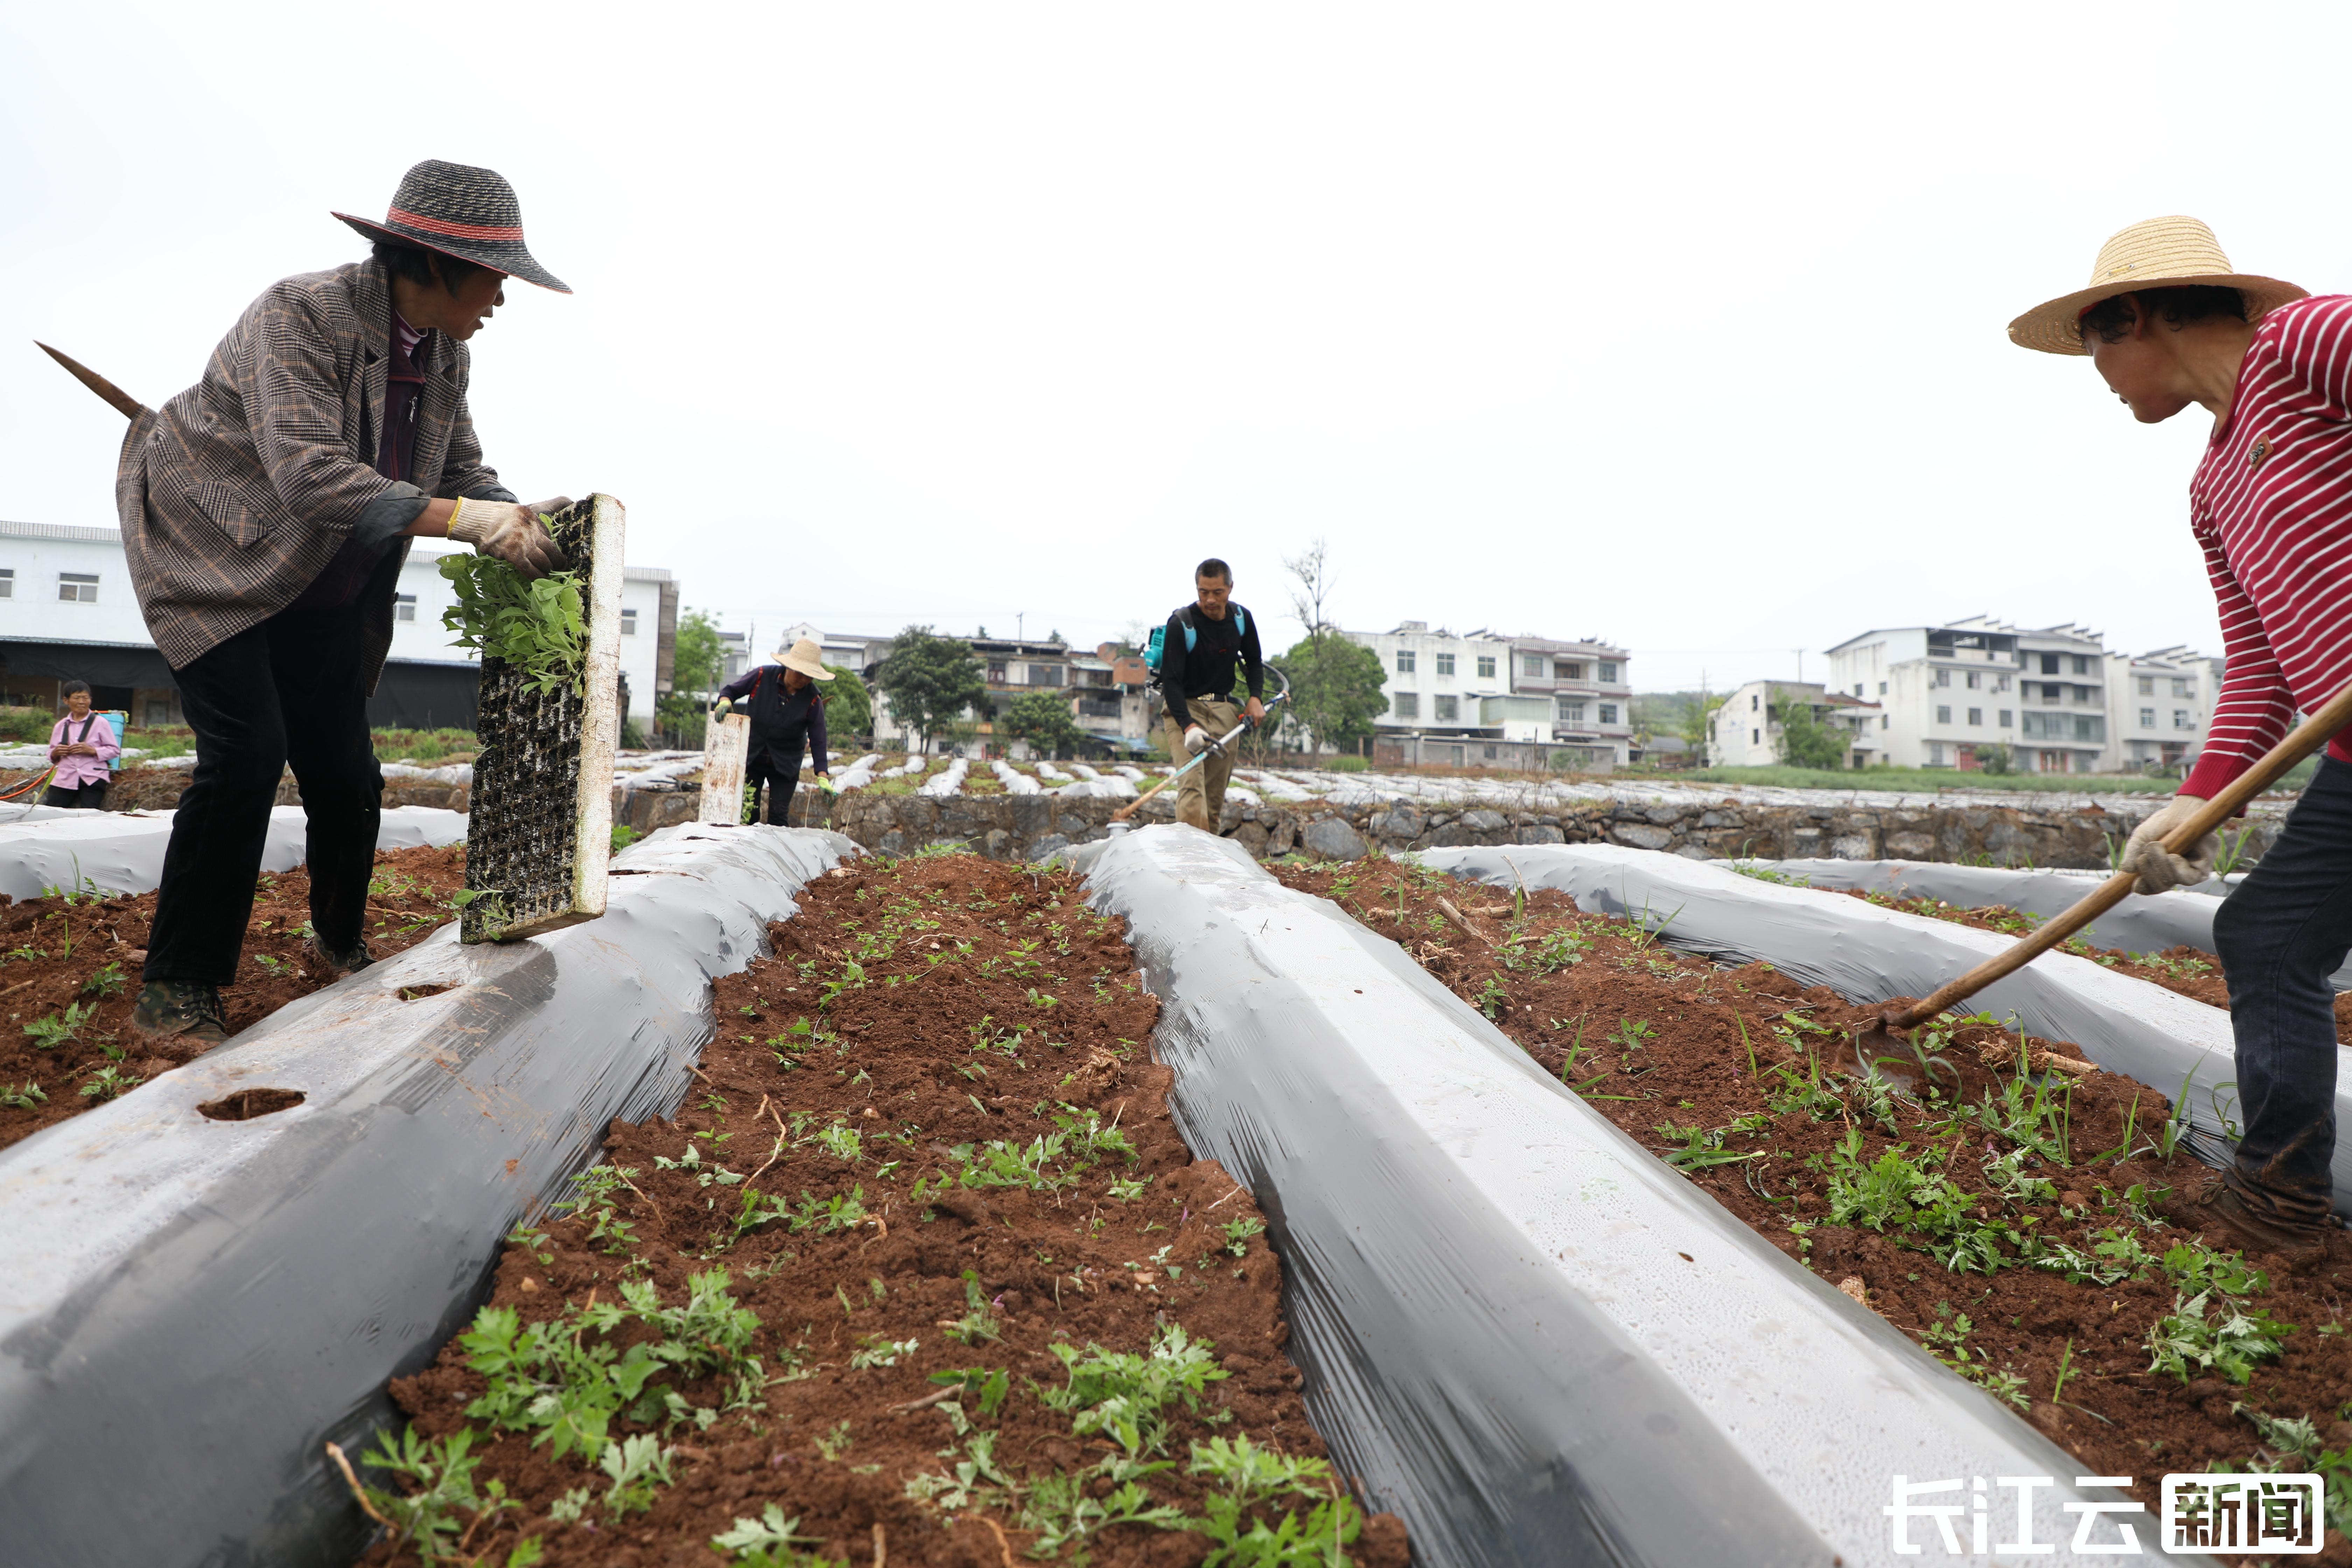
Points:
(1867, 954)
(541, 828)
(191, 1310)
(1521, 1331)
(2182, 918)
(122, 852)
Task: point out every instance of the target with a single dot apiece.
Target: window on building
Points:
(1405, 704)
(2182, 719)
(1882, 689)
(2002, 684)
(1444, 664)
(2007, 717)
(1976, 716)
(403, 606)
(996, 675)
(1857, 688)
(628, 623)
(1608, 670)
(1943, 677)
(1885, 721)
(1404, 661)
(78, 587)
(2089, 728)
(1754, 702)
(2181, 687)
(2049, 664)
(1045, 674)
(1532, 664)
(1755, 737)
(2082, 664)
(1609, 712)
(1448, 709)
(1943, 713)
(2148, 717)
(1572, 671)
(1976, 679)
(1485, 666)
(2148, 686)
(7, 583)
(1570, 713)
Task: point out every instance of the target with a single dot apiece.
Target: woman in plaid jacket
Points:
(265, 512)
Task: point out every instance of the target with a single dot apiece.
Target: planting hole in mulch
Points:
(2019, 1215)
(247, 1103)
(69, 976)
(419, 993)
(919, 1273)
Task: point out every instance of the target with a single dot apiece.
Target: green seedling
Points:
(1127, 1397)
(22, 1098)
(106, 981)
(443, 1507)
(2188, 1340)
(109, 1081)
(1238, 1233)
(772, 1541)
(1251, 1479)
(61, 1027)
(980, 1324)
(637, 1464)
(540, 628)
(876, 1350)
(984, 1385)
(833, 1444)
(1700, 1148)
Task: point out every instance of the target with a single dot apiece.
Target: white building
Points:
(1949, 692)
(1749, 731)
(1483, 685)
(67, 612)
(2159, 704)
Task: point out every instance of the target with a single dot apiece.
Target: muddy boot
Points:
(349, 962)
(2226, 1219)
(180, 1011)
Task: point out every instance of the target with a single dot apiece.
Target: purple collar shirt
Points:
(78, 770)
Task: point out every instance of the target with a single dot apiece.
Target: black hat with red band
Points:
(471, 214)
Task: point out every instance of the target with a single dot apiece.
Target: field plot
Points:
(1995, 1199)
(70, 973)
(921, 1273)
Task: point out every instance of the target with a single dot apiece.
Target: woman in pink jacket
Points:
(82, 746)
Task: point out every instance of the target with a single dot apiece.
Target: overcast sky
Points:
(1677, 326)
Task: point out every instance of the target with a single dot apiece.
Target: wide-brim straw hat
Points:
(805, 656)
(468, 213)
(2157, 253)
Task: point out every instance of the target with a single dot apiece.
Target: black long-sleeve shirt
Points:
(781, 720)
(1207, 671)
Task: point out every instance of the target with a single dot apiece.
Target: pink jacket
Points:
(77, 771)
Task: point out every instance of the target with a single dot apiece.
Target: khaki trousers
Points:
(1201, 793)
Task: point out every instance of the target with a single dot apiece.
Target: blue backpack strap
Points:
(1240, 622)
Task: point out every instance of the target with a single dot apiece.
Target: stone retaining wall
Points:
(1029, 828)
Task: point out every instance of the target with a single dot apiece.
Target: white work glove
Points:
(2160, 871)
(512, 533)
(1196, 740)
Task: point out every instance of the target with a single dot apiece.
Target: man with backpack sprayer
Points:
(2168, 323)
(1194, 657)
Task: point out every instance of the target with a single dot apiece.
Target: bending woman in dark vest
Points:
(787, 715)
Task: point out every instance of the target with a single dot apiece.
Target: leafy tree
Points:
(849, 707)
(1698, 723)
(1805, 741)
(1335, 682)
(696, 660)
(1993, 759)
(1043, 721)
(930, 680)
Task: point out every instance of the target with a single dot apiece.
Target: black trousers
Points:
(291, 689)
(83, 797)
(2281, 935)
(780, 769)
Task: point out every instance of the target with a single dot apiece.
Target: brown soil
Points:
(2190, 970)
(916, 1006)
(58, 954)
(1691, 1070)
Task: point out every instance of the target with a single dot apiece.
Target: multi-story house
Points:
(1749, 731)
(1104, 689)
(1588, 687)
(1947, 693)
(2159, 705)
(1531, 697)
(67, 611)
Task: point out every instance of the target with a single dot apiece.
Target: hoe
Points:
(1878, 1037)
(1120, 819)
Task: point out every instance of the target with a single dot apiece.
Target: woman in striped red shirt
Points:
(2270, 505)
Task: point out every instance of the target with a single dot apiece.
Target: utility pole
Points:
(1020, 620)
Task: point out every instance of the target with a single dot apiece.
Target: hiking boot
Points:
(349, 961)
(180, 1010)
(2223, 1215)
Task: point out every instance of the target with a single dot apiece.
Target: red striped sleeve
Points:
(2272, 505)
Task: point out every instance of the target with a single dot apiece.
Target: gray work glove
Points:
(2160, 871)
(1196, 740)
(512, 533)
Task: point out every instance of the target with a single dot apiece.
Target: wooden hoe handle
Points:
(2306, 738)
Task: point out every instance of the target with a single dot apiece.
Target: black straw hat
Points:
(471, 214)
